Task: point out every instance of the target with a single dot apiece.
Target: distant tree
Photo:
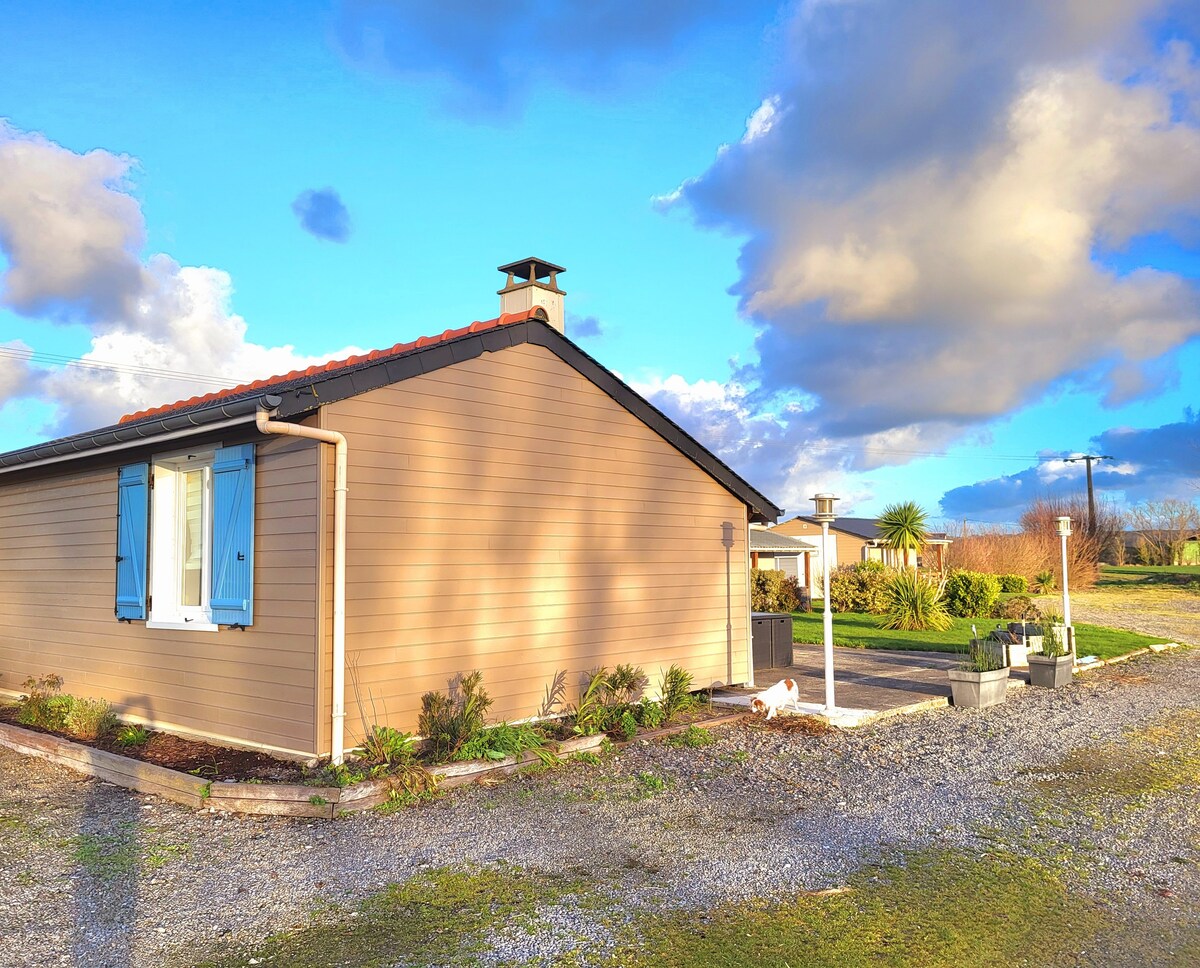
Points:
(1163, 527)
(903, 528)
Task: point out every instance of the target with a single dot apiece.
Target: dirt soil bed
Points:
(219, 763)
(190, 756)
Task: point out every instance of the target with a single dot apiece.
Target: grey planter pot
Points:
(1051, 672)
(978, 690)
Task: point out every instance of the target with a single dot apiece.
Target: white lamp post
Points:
(1063, 527)
(824, 503)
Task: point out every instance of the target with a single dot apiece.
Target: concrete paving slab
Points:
(869, 684)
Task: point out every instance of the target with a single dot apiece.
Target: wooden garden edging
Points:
(275, 799)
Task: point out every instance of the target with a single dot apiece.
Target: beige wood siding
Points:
(849, 546)
(57, 551)
(506, 515)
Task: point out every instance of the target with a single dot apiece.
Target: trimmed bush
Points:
(1016, 609)
(1013, 584)
(773, 591)
(971, 594)
(915, 603)
(862, 587)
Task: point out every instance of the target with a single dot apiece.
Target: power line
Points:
(133, 369)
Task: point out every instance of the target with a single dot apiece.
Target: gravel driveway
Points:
(93, 875)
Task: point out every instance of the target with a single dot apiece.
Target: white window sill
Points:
(196, 626)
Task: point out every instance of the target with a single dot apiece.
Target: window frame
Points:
(166, 545)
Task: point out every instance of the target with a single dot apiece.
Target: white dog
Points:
(775, 698)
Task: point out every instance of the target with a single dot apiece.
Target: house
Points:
(858, 539)
(772, 551)
(280, 564)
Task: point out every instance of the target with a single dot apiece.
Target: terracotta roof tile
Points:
(506, 319)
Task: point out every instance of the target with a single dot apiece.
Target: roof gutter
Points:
(123, 437)
(340, 462)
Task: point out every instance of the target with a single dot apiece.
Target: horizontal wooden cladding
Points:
(57, 550)
(507, 515)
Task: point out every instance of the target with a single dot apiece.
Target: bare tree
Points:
(1163, 528)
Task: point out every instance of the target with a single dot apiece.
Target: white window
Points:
(181, 542)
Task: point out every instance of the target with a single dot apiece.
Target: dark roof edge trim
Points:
(121, 436)
(548, 337)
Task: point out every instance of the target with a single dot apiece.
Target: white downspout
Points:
(340, 460)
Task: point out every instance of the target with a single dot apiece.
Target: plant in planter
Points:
(1053, 667)
(981, 680)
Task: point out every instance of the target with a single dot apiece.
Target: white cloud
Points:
(71, 233)
(926, 196)
(775, 450)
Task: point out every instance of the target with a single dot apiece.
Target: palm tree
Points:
(902, 527)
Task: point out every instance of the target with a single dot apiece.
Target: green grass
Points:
(1148, 574)
(860, 631)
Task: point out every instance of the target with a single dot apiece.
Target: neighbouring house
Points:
(858, 539)
(1159, 545)
(770, 550)
(281, 563)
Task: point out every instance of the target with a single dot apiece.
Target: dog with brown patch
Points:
(773, 699)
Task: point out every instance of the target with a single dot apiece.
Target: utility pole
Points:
(1089, 458)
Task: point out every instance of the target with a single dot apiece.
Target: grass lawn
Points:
(862, 632)
(1148, 574)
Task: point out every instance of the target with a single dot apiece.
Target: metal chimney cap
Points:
(531, 269)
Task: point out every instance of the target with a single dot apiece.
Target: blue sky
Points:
(896, 250)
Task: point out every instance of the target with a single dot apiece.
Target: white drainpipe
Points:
(340, 456)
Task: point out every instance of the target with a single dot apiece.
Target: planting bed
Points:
(262, 792)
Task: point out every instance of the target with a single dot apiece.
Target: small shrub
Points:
(676, 691)
(916, 603)
(627, 725)
(649, 714)
(591, 715)
(971, 594)
(1017, 609)
(861, 587)
(1044, 582)
(1013, 584)
(773, 591)
(130, 735)
(449, 721)
(42, 705)
(382, 744)
(624, 685)
(89, 718)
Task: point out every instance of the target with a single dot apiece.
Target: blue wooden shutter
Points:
(133, 516)
(232, 593)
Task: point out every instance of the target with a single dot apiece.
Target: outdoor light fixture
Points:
(1063, 527)
(824, 505)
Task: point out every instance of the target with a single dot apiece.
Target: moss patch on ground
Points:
(936, 908)
(442, 916)
(930, 909)
(1156, 758)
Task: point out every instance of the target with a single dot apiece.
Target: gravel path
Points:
(93, 875)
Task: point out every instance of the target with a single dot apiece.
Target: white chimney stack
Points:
(525, 289)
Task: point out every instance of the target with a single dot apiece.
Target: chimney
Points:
(525, 289)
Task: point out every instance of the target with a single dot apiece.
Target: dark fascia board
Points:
(185, 423)
(296, 398)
